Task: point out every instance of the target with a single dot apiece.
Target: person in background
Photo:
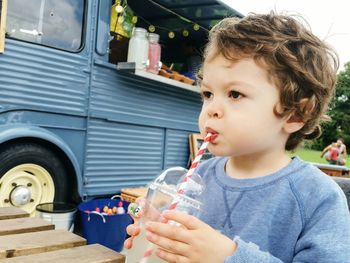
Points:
(333, 154)
(342, 153)
(266, 84)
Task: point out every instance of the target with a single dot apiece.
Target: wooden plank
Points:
(12, 212)
(24, 225)
(131, 194)
(331, 172)
(85, 254)
(3, 13)
(38, 242)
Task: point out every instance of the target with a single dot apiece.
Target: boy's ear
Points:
(294, 122)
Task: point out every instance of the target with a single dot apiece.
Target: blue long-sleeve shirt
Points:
(297, 214)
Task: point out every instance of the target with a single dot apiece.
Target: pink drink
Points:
(154, 53)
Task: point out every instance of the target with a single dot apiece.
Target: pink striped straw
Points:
(149, 251)
(196, 161)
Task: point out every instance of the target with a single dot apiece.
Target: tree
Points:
(339, 111)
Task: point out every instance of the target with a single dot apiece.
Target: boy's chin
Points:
(219, 153)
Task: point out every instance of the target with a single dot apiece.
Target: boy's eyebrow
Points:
(232, 83)
(240, 83)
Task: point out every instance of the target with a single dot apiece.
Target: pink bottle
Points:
(154, 51)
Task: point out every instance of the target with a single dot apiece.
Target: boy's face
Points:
(238, 103)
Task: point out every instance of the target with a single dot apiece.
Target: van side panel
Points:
(121, 155)
(137, 128)
(133, 99)
(177, 148)
(44, 79)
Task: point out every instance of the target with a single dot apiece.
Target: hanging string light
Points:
(171, 34)
(152, 28)
(176, 14)
(134, 19)
(119, 9)
(196, 27)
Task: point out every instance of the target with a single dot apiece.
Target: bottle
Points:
(154, 53)
(120, 209)
(138, 48)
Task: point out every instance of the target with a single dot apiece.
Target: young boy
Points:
(266, 84)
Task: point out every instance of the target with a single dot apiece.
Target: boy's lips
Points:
(213, 132)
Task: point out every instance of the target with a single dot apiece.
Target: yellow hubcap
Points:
(25, 186)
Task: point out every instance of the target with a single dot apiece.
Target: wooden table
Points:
(30, 239)
(131, 194)
(333, 170)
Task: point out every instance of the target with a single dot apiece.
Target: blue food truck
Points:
(74, 122)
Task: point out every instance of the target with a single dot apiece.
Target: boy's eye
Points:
(235, 94)
(206, 94)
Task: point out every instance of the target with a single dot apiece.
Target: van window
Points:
(52, 23)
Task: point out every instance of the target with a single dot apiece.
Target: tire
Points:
(31, 174)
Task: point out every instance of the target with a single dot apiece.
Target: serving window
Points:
(182, 27)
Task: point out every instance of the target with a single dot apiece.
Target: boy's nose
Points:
(215, 109)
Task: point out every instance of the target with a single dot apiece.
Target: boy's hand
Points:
(134, 230)
(194, 242)
(140, 209)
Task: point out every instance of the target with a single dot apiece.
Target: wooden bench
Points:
(30, 239)
(36, 242)
(24, 225)
(83, 254)
(12, 212)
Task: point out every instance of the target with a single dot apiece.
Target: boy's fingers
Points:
(188, 221)
(176, 246)
(128, 243)
(133, 230)
(169, 257)
(167, 232)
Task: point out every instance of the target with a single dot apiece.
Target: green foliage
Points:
(339, 111)
(309, 155)
(312, 156)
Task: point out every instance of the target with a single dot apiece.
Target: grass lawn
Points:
(313, 156)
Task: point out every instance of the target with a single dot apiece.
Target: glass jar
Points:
(154, 53)
(138, 48)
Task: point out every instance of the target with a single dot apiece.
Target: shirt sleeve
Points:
(325, 236)
(248, 252)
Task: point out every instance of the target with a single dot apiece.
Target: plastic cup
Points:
(159, 197)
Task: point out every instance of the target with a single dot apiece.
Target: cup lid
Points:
(176, 178)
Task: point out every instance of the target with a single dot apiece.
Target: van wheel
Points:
(31, 174)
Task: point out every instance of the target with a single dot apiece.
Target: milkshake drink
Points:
(162, 193)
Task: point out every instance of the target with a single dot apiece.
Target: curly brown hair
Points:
(301, 65)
